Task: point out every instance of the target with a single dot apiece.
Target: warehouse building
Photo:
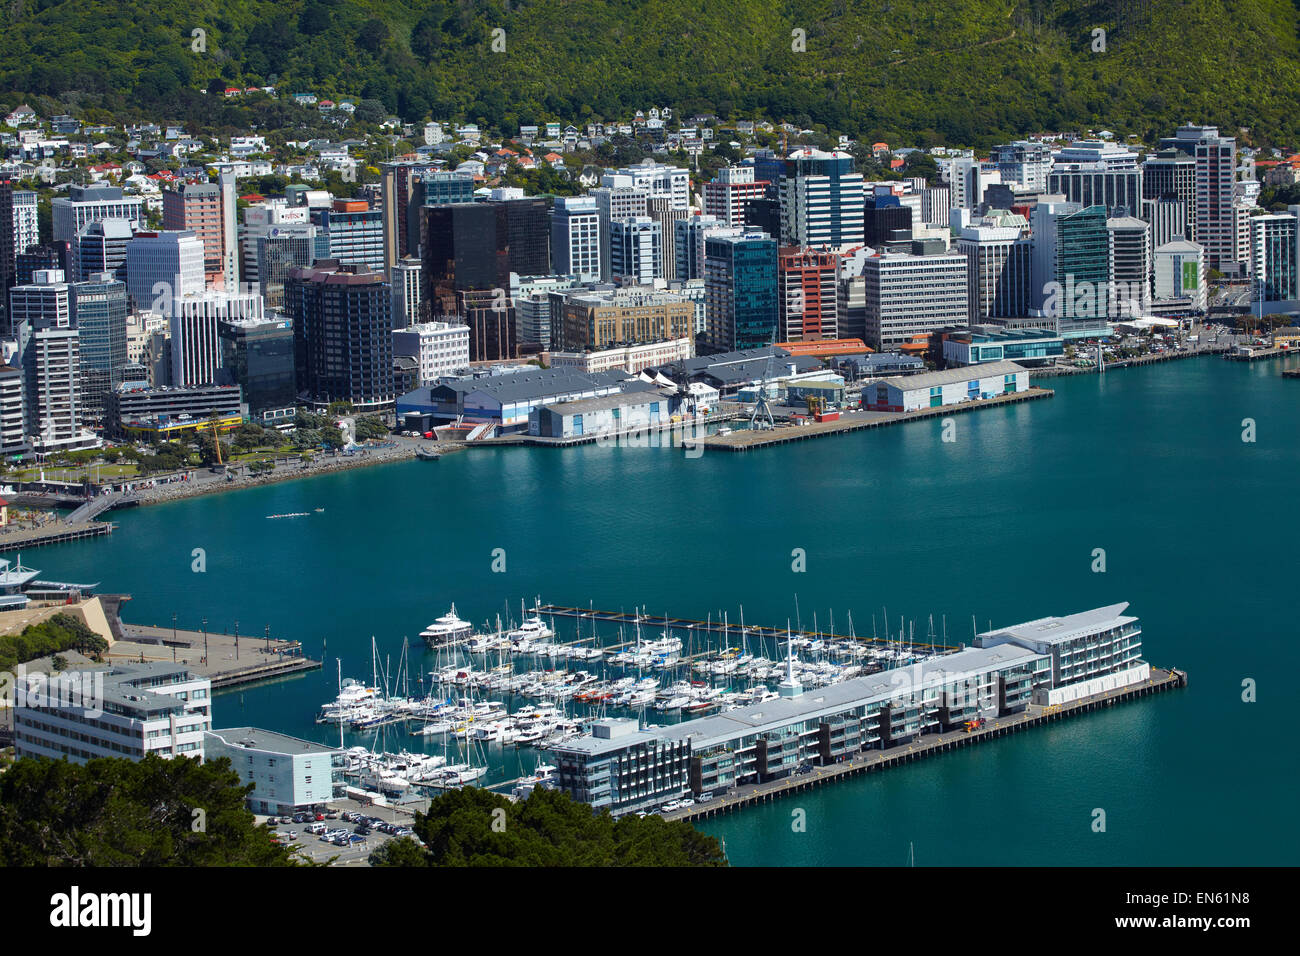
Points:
(949, 387)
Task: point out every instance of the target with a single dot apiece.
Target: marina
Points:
(512, 686)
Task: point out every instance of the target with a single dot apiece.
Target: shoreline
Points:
(178, 491)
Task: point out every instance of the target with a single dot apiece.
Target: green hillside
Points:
(956, 71)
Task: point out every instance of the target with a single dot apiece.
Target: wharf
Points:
(1291, 373)
(229, 661)
(926, 746)
(717, 627)
(1255, 355)
(12, 539)
(635, 435)
(747, 439)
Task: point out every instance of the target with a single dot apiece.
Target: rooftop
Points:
(1055, 630)
(951, 375)
(254, 738)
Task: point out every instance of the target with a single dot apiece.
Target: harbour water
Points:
(1005, 523)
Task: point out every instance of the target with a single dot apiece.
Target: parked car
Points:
(704, 797)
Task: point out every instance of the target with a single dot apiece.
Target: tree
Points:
(473, 827)
(120, 812)
(372, 36)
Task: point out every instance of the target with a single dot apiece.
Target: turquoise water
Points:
(1198, 529)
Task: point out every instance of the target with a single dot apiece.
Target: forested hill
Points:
(957, 71)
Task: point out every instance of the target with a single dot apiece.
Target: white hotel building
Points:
(156, 708)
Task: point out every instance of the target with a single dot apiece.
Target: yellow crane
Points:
(216, 437)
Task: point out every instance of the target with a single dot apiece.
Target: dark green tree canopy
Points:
(473, 827)
(119, 812)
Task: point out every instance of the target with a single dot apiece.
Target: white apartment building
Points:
(656, 180)
(287, 774)
(439, 348)
(1129, 252)
(725, 197)
(575, 237)
(129, 710)
(26, 231)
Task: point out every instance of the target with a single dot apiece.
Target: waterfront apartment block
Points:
(133, 710)
(626, 358)
(622, 768)
(287, 774)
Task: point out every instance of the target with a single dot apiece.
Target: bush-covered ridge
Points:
(957, 71)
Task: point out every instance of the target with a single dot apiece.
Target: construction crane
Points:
(761, 406)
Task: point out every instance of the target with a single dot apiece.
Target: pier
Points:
(748, 795)
(1256, 355)
(637, 434)
(226, 660)
(748, 439)
(691, 624)
(11, 540)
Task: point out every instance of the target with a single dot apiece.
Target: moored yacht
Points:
(447, 630)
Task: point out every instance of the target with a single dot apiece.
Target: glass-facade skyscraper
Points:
(741, 300)
(98, 308)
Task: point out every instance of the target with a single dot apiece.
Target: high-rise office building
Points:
(636, 250)
(401, 199)
(1275, 256)
(688, 242)
(806, 291)
(667, 215)
(1170, 175)
(195, 339)
(1129, 250)
(405, 278)
(8, 252)
(160, 266)
(355, 233)
(741, 300)
(199, 208)
(343, 341)
(998, 271)
(1180, 274)
(656, 180)
(1215, 225)
(601, 319)
(1095, 184)
(99, 306)
(475, 246)
(493, 324)
(575, 237)
(822, 200)
(1167, 217)
(616, 202)
(101, 246)
(85, 204)
(909, 294)
(726, 196)
(1071, 266)
(258, 356)
(47, 255)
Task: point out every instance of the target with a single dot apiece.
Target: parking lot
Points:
(311, 847)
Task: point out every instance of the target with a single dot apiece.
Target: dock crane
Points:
(761, 406)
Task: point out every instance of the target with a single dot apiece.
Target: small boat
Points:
(427, 454)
